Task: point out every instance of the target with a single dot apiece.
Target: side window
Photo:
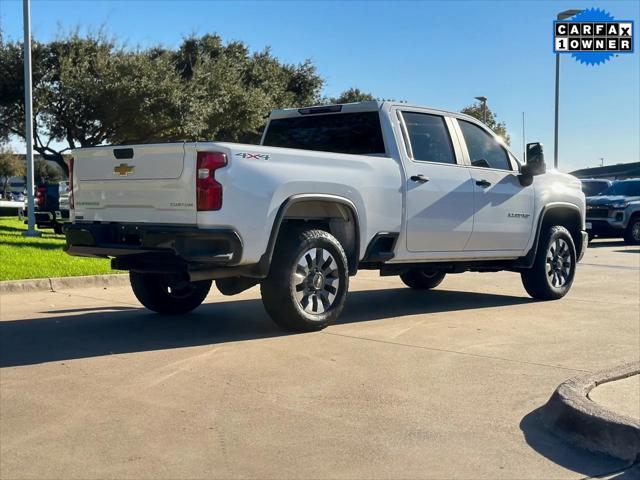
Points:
(484, 151)
(429, 138)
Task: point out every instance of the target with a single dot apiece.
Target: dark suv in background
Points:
(615, 212)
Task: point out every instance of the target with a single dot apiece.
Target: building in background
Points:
(611, 172)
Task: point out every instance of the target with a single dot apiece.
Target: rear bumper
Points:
(46, 218)
(143, 246)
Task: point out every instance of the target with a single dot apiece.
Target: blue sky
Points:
(439, 54)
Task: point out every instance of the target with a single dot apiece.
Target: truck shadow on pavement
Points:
(562, 453)
(71, 333)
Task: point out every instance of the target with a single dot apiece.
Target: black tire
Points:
(304, 292)
(168, 294)
(422, 279)
(554, 267)
(632, 232)
(58, 229)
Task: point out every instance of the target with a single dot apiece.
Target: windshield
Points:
(627, 189)
(591, 188)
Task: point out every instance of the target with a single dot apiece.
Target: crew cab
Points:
(406, 190)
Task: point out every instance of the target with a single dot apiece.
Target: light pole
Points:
(561, 16)
(28, 119)
(484, 107)
(524, 143)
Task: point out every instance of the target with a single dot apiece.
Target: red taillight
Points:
(208, 190)
(41, 195)
(71, 183)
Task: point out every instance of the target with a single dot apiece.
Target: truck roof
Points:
(368, 106)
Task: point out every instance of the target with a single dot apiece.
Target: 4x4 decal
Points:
(254, 156)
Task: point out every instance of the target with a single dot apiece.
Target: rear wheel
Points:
(422, 279)
(170, 294)
(307, 285)
(632, 232)
(554, 267)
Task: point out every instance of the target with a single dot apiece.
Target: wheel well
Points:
(568, 218)
(337, 218)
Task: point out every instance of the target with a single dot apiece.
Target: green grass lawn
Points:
(42, 257)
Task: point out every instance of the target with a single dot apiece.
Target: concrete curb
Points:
(63, 283)
(572, 415)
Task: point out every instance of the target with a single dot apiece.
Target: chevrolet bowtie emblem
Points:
(123, 169)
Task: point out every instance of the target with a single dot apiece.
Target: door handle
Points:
(483, 183)
(419, 178)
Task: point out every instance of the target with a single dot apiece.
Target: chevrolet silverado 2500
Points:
(405, 190)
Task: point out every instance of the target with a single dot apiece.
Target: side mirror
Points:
(535, 164)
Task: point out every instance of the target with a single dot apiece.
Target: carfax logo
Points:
(593, 36)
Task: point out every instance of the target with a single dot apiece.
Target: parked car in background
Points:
(594, 186)
(615, 212)
(51, 206)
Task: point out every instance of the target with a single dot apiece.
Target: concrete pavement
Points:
(442, 384)
(621, 396)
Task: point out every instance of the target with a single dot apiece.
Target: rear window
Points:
(356, 133)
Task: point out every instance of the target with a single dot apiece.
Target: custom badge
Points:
(593, 36)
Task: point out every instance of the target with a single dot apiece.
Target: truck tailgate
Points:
(142, 183)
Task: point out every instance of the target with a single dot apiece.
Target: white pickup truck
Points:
(405, 190)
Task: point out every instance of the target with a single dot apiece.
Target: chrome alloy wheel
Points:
(558, 264)
(315, 281)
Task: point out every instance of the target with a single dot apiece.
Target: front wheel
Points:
(421, 279)
(307, 285)
(632, 232)
(554, 267)
(169, 294)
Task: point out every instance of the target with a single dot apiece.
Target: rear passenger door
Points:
(503, 209)
(439, 198)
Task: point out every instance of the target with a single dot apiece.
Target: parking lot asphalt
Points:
(440, 384)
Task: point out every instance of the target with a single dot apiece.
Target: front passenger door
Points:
(439, 204)
(503, 209)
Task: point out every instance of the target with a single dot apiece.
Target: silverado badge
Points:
(123, 169)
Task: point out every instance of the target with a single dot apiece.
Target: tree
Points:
(88, 90)
(44, 172)
(351, 95)
(477, 111)
(231, 91)
(10, 166)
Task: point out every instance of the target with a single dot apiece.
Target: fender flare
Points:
(528, 259)
(264, 263)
